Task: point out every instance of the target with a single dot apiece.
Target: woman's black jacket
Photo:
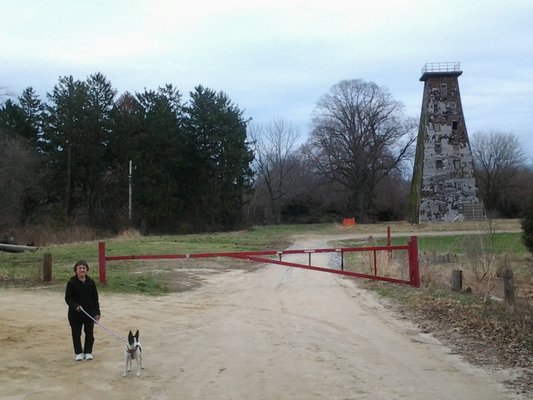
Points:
(83, 294)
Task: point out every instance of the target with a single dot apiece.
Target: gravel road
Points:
(275, 333)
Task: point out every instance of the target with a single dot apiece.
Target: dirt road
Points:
(275, 333)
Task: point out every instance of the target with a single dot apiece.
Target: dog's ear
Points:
(137, 335)
(130, 335)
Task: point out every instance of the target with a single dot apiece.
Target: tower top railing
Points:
(441, 67)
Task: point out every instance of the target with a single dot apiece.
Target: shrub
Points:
(527, 226)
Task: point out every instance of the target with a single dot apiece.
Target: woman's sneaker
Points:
(79, 357)
(89, 356)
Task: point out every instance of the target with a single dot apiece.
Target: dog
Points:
(133, 352)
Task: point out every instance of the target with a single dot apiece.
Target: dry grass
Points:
(41, 235)
(477, 322)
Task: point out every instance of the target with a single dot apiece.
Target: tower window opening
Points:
(454, 125)
(439, 164)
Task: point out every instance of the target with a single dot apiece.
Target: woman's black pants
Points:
(77, 322)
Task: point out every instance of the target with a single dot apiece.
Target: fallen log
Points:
(16, 248)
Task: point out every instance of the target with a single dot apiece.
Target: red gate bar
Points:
(331, 270)
(411, 247)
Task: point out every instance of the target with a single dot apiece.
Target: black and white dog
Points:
(133, 352)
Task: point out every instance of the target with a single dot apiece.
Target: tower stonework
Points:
(443, 187)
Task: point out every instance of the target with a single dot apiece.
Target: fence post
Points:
(508, 284)
(457, 280)
(47, 267)
(414, 269)
(101, 262)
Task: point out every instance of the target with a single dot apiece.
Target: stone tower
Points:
(443, 186)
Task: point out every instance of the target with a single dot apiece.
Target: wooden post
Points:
(457, 280)
(47, 267)
(508, 285)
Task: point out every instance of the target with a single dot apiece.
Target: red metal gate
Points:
(261, 256)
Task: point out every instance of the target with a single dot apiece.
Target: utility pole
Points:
(130, 193)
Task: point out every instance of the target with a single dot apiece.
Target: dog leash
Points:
(102, 326)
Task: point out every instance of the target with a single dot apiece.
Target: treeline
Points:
(65, 161)
(199, 165)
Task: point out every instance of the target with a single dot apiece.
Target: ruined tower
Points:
(443, 186)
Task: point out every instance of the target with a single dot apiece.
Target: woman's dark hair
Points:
(81, 262)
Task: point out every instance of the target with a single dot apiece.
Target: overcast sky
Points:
(276, 58)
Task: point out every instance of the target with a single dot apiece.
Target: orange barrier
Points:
(348, 222)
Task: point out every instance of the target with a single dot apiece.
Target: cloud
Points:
(276, 58)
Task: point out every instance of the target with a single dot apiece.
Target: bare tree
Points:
(498, 159)
(275, 146)
(17, 175)
(359, 136)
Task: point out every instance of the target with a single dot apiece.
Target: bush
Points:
(527, 227)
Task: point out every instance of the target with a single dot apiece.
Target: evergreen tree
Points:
(157, 151)
(34, 114)
(126, 121)
(12, 120)
(221, 157)
(66, 134)
(100, 97)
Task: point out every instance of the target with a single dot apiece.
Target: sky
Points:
(275, 59)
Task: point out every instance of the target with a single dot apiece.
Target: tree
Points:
(127, 120)
(18, 172)
(24, 119)
(66, 131)
(76, 135)
(498, 158)
(34, 113)
(100, 99)
(221, 157)
(12, 119)
(359, 136)
(158, 150)
(275, 149)
(393, 186)
(127, 117)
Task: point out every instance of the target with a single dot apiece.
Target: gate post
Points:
(101, 262)
(414, 270)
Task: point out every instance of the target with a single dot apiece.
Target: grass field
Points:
(26, 268)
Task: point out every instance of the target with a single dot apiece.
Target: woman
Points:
(81, 293)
